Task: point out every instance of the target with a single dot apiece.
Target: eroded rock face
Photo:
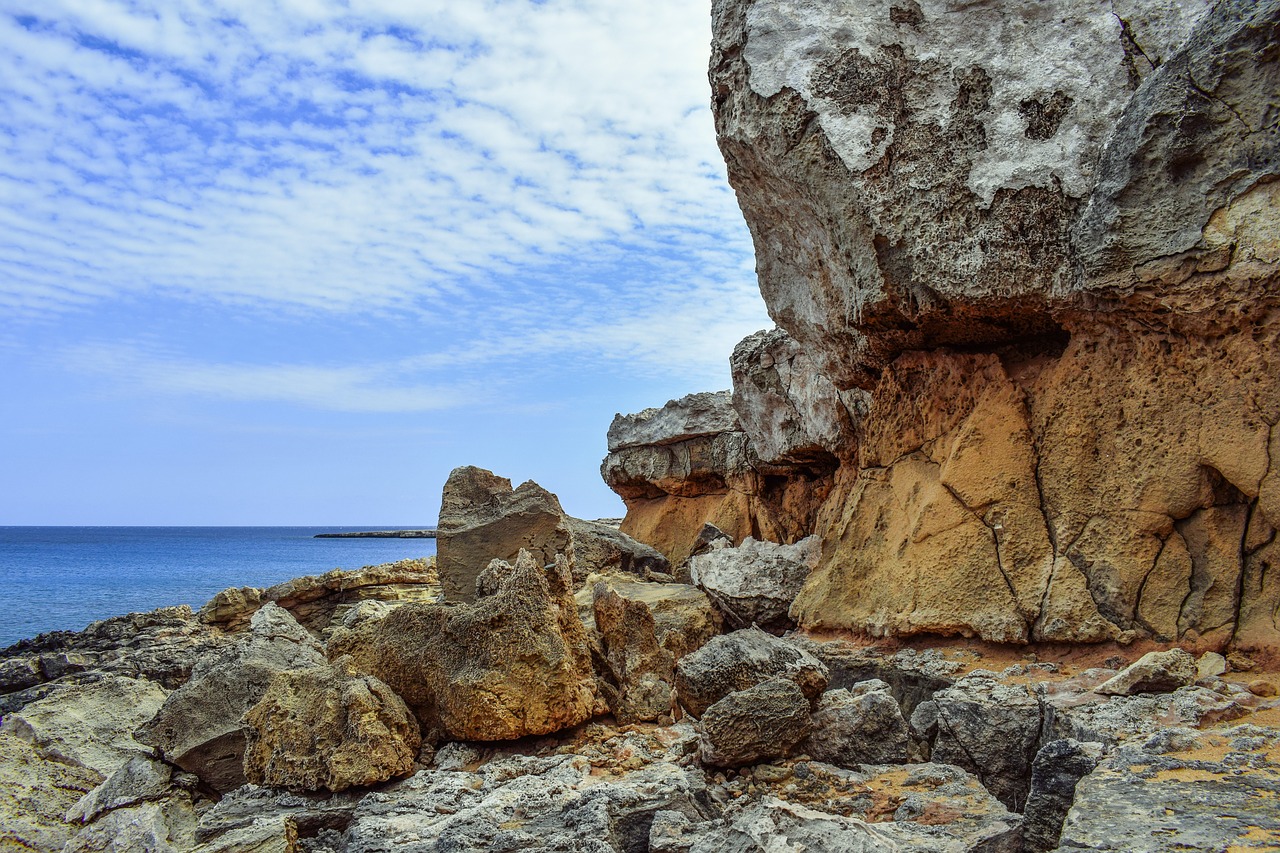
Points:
(743, 659)
(692, 463)
(514, 663)
(199, 726)
(1043, 239)
(756, 582)
(483, 519)
(36, 794)
(324, 729)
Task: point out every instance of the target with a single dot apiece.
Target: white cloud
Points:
(527, 177)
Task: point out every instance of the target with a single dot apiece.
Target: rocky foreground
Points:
(585, 699)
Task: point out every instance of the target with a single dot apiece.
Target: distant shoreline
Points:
(429, 533)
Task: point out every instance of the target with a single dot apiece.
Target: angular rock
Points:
(167, 826)
(269, 818)
(743, 659)
(863, 725)
(1181, 790)
(696, 415)
(525, 803)
(89, 725)
(322, 728)
(199, 727)
(140, 779)
(514, 663)
(1154, 672)
(760, 723)
(990, 728)
(790, 411)
(35, 794)
(755, 583)
(482, 519)
(1086, 716)
(644, 629)
(1057, 770)
(1209, 665)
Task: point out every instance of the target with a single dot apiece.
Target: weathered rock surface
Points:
(691, 463)
(322, 728)
(36, 794)
(755, 583)
(160, 646)
(644, 628)
(167, 826)
(762, 722)
(91, 724)
(139, 779)
(1045, 244)
(319, 602)
(743, 659)
(514, 663)
(483, 519)
(199, 726)
(1154, 672)
(1057, 770)
(1181, 790)
(990, 728)
(863, 725)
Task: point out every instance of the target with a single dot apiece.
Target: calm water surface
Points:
(63, 578)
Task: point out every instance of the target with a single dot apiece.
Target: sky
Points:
(291, 261)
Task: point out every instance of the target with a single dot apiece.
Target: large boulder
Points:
(324, 729)
(482, 519)
(862, 725)
(200, 727)
(756, 582)
(1043, 239)
(743, 659)
(644, 628)
(514, 663)
(762, 722)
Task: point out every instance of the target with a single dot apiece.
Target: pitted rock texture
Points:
(324, 729)
(743, 659)
(762, 722)
(862, 725)
(483, 519)
(756, 582)
(514, 663)
(1043, 237)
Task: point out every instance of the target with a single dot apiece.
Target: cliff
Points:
(1031, 249)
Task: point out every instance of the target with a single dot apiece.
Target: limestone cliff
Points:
(1032, 248)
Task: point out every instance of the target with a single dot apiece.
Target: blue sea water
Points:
(63, 578)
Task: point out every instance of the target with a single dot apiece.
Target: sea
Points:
(63, 578)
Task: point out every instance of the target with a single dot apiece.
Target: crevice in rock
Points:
(1142, 587)
(1132, 50)
(995, 541)
(1203, 92)
(1243, 562)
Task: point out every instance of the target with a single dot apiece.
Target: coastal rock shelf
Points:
(429, 533)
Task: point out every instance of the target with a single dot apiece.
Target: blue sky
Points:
(291, 262)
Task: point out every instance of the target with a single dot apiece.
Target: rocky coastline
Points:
(975, 556)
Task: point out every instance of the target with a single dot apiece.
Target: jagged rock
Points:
(320, 601)
(989, 728)
(690, 464)
(512, 664)
(743, 659)
(35, 795)
(1066, 337)
(199, 727)
(644, 629)
(1057, 770)
(755, 583)
(1075, 712)
(790, 412)
(167, 826)
(1154, 672)
(274, 834)
(1181, 790)
(137, 780)
(324, 729)
(762, 722)
(1210, 665)
(91, 724)
(859, 726)
(160, 646)
(525, 803)
(269, 817)
(482, 519)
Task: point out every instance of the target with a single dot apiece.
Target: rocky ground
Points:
(624, 712)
